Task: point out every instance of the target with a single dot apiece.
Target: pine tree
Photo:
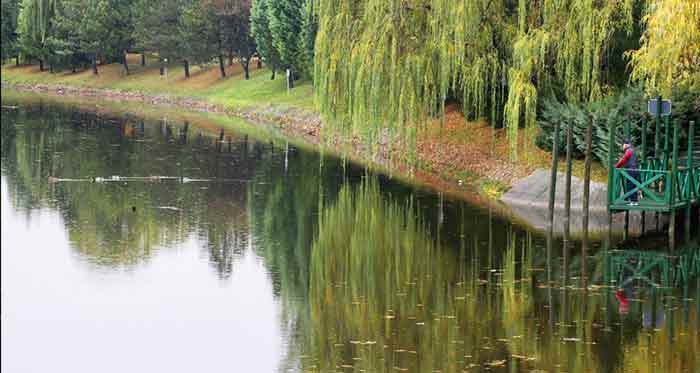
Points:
(260, 30)
(9, 10)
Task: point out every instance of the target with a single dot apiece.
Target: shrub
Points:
(629, 106)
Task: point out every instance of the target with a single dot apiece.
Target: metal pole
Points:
(626, 232)
(667, 138)
(657, 150)
(553, 179)
(644, 166)
(567, 197)
(586, 195)
(672, 193)
(690, 183)
(611, 181)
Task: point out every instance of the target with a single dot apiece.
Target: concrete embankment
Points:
(528, 201)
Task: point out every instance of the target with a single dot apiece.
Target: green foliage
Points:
(627, 107)
(286, 29)
(33, 26)
(91, 28)
(389, 65)
(9, 10)
(199, 32)
(235, 30)
(260, 30)
(157, 27)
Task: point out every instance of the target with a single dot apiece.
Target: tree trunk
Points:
(41, 65)
(162, 67)
(273, 74)
(259, 63)
(73, 68)
(246, 67)
(187, 68)
(17, 60)
(221, 66)
(94, 64)
(290, 79)
(143, 59)
(126, 63)
(230, 58)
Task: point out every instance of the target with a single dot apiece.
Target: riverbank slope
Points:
(455, 156)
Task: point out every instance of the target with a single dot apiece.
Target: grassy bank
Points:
(204, 82)
(450, 156)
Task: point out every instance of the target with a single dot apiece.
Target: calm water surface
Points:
(261, 257)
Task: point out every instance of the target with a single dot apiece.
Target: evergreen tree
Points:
(292, 27)
(199, 33)
(260, 30)
(9, 10)
(234, 28)
(157, 29)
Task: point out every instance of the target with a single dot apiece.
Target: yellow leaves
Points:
(672, 35)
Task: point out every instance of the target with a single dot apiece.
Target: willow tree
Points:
(33, 26)
(670, 51)
(387, 66)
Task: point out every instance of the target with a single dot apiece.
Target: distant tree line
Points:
(77, 34)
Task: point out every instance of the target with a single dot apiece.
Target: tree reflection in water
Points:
(369, 274)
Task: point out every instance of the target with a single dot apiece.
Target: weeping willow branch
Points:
(384, 67)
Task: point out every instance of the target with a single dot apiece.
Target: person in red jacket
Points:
(629, 162)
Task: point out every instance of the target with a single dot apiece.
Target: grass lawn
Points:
(204, 82)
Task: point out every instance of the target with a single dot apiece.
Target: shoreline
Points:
(303, 126)
(295, 124)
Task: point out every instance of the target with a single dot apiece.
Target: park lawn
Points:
(205, 82)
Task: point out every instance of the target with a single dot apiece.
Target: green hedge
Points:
(629, 106)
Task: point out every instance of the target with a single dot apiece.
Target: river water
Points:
(258, 256)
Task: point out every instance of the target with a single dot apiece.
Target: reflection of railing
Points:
(653, 268)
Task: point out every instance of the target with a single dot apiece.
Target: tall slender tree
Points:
(9, 11)
(34, 24)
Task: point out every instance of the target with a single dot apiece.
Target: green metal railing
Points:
(663, 184)
(655, 189)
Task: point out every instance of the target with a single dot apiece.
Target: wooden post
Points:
(643, 165)
(567, 196)
(586, 196)
(666, 140)
(553, 179)
(691, 185)
(672, 193)
(611, 178)
(627, 212)
(657, 151)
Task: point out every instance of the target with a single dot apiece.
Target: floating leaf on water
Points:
(355, 342)
(571, 339)
(496, 363)
(526, 358)
(420, 323)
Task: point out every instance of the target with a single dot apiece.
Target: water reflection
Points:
(369, 274)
